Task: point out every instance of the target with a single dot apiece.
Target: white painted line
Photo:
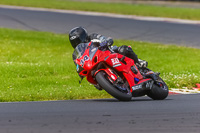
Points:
(144, 18)
(184, 91)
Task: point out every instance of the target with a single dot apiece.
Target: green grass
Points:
(119, 8)
(38, 66)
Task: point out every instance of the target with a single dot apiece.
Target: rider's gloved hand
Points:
(96, 42)
(106, 42)
(103, 44)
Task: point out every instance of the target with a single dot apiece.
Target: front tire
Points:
(113, 91)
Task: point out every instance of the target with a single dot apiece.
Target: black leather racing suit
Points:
(124, 50)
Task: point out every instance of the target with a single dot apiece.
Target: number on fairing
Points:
(85, 58)
(115, 62)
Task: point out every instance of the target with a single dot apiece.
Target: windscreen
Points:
(79, 50)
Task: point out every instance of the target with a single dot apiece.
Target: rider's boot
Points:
(146, 73)
(142, 63)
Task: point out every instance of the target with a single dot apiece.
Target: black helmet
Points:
(77, 35)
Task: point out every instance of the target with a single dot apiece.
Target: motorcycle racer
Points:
(118, 74)
(79, 35)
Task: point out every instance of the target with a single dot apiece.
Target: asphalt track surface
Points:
(178, 113)
(121, 28)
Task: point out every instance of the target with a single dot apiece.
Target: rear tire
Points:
(113, 91)
(158, 92)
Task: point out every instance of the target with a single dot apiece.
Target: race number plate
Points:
(115, 62)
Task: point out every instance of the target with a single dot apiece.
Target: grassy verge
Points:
(38, 66)
(119, 8)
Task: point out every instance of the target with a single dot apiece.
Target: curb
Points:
(194, 90)
(143, 18)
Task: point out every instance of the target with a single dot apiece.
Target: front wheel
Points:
(159, 90)
(120, 92)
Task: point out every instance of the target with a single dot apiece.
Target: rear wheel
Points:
(120, 91)
(159, 90)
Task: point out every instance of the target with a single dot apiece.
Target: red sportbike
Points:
(116, 74)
